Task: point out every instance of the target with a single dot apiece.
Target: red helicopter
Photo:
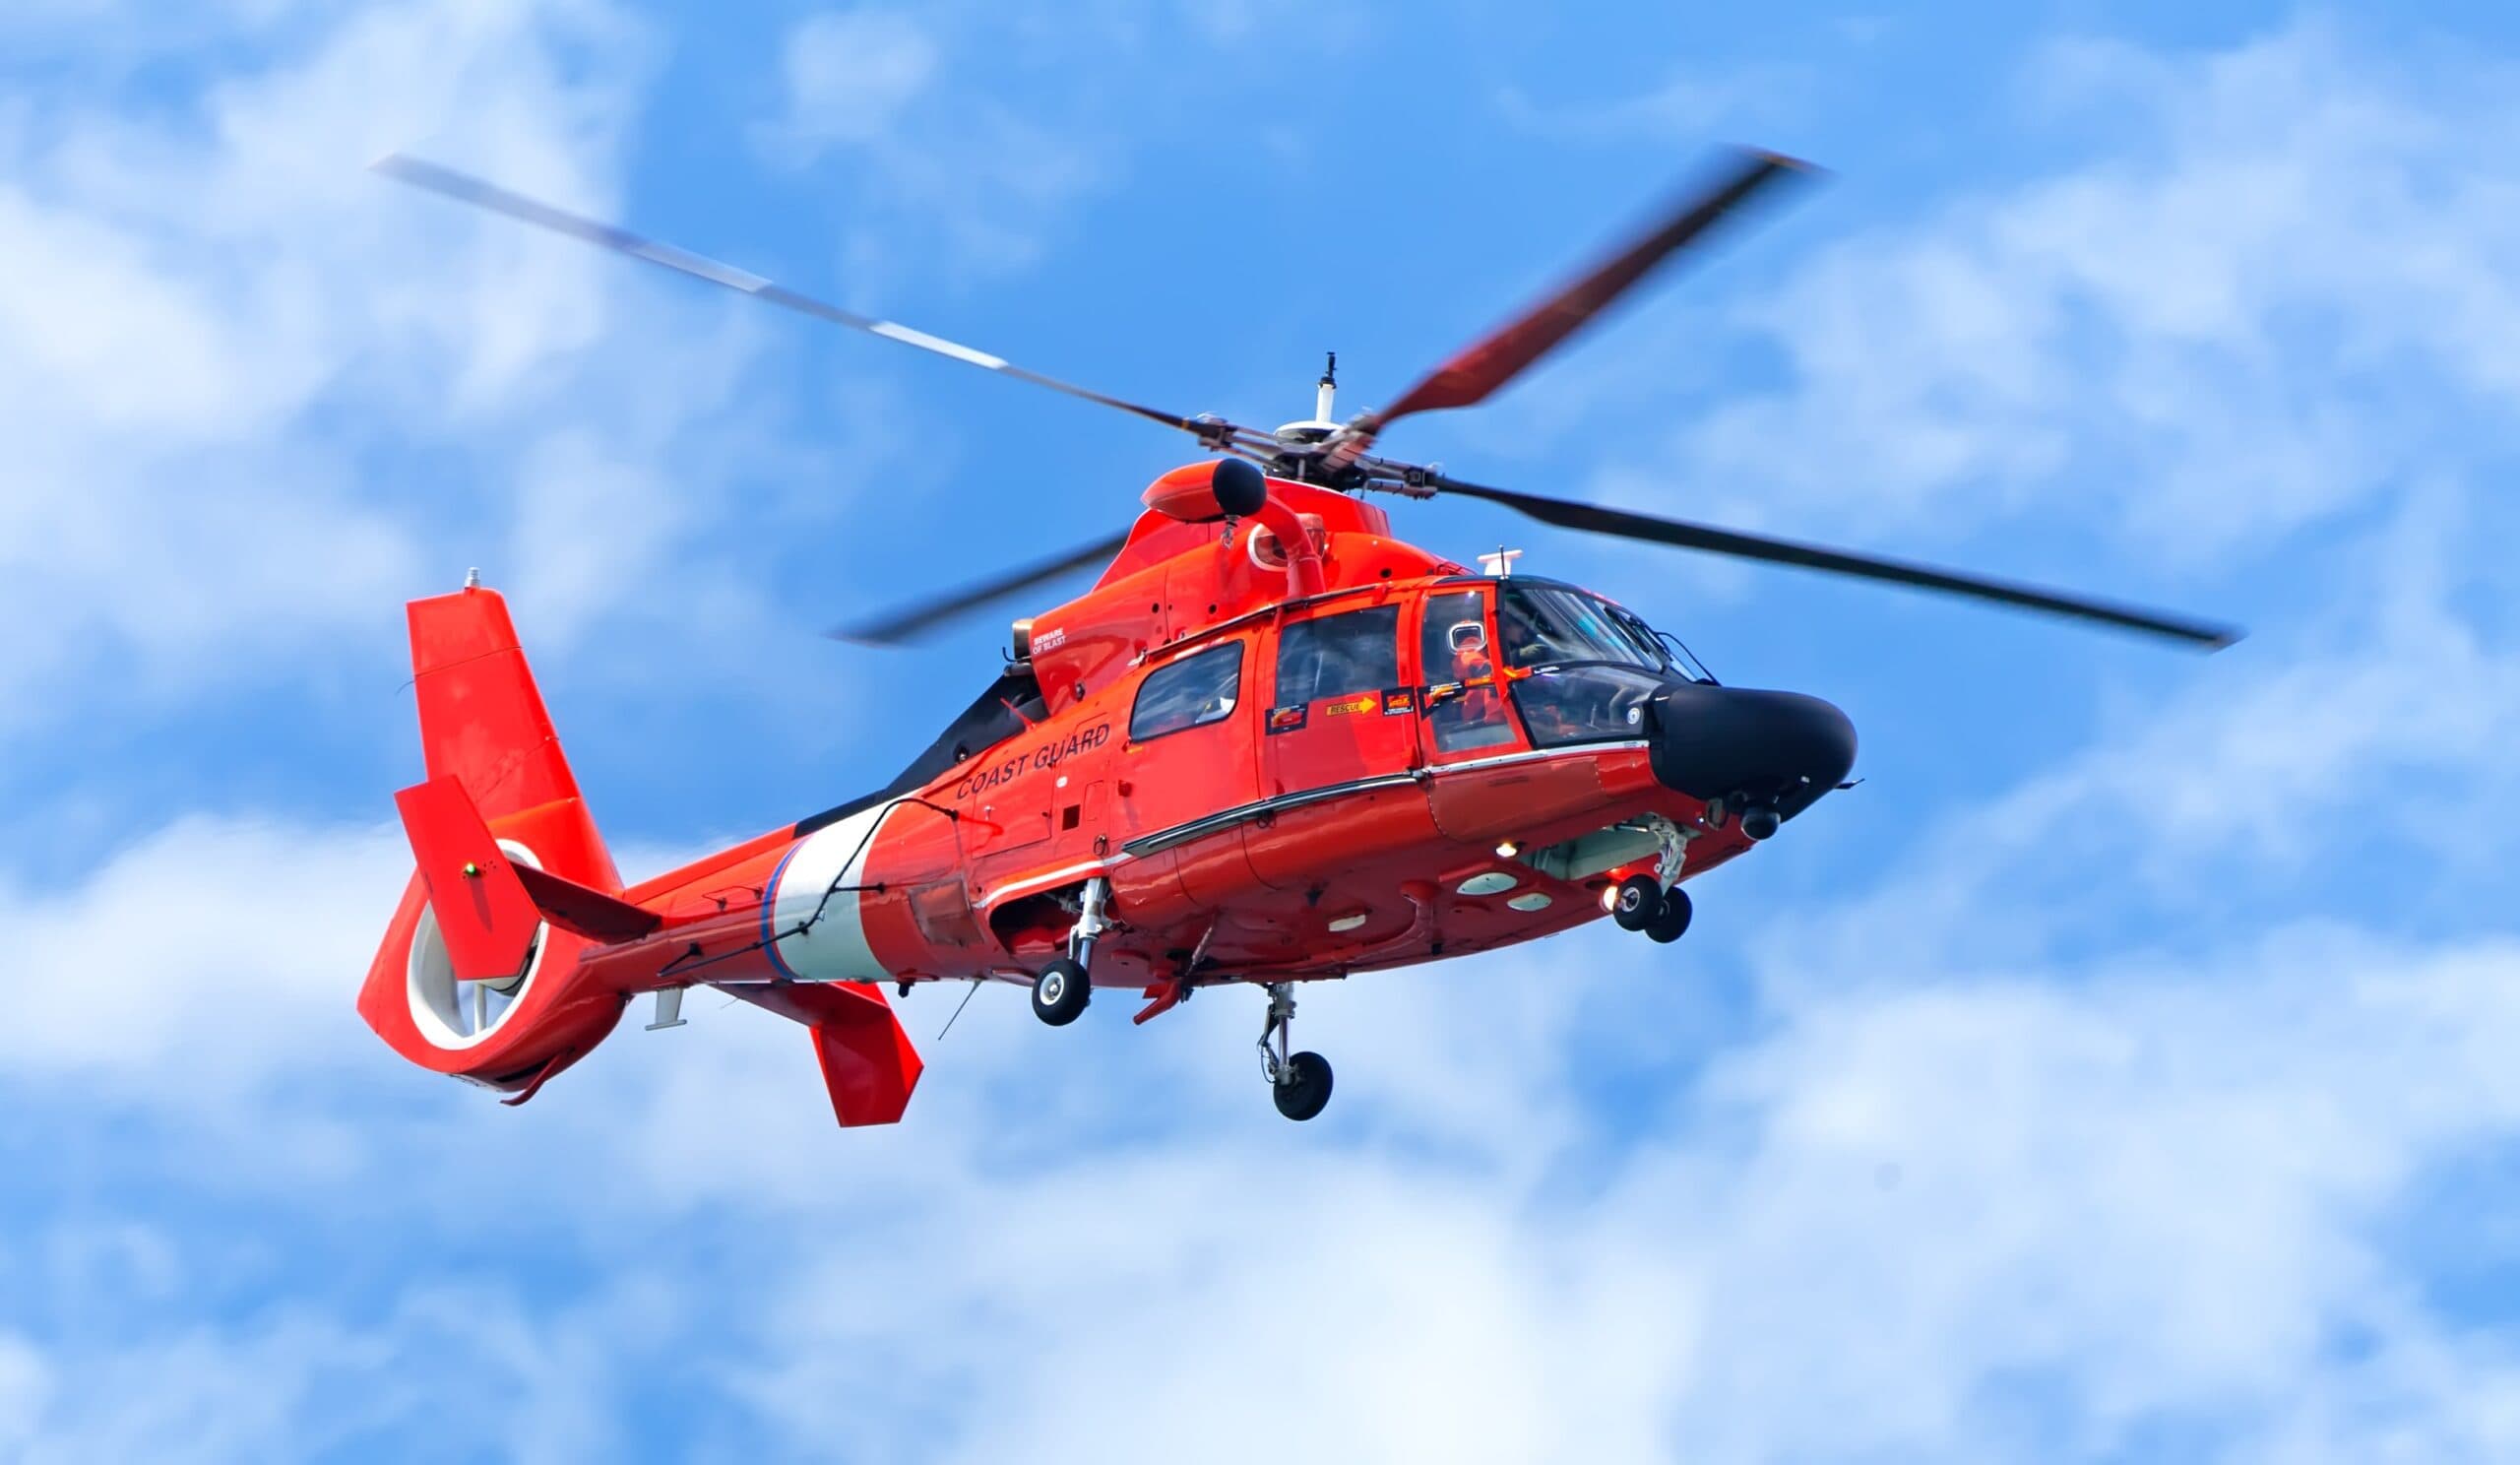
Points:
(1271, 744)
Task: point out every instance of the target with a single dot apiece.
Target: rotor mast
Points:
(1298, 444)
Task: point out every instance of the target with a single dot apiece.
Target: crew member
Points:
(1476, 674)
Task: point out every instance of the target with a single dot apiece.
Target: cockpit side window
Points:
(1463, 708)
(1199, 688)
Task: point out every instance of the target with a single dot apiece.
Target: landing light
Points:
(1507, 850)
(1346, 923)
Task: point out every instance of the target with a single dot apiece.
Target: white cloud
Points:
(26, 1382)
(908, 116)
(851, 72)
(2162, 1195)
(210, 954)
(258, 395)
(2270, 294)
(449, 1369)
(1695, 101)
(2161, 1192)
(2327, 761)
(2163, 1189)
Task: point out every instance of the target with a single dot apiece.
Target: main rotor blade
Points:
(910, 622)
(465, 188)
(1478, 370)
(1621, 524)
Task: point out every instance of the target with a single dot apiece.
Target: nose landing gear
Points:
(1640, 905)
(1300, 1083)
(1656, 904)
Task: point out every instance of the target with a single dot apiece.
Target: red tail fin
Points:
(482, 724)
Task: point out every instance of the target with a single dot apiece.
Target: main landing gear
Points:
(1298, 1082)
(1061, 990)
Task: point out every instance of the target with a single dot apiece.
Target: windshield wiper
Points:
(1687, 658)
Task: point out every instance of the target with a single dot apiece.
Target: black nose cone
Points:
(1779, 748)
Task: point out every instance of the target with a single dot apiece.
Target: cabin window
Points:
(1196, 690)
(1337, 656)
(1464, 709)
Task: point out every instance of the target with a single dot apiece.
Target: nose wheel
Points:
(1638, 902)
(1672, 922)
(1643, 904)
(1300, 1083)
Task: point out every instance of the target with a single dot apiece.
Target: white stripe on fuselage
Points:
(833, 948)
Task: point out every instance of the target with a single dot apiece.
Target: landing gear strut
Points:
(1063, 988)
(1298, 1082)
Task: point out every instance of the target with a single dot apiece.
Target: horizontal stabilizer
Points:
(583, 909)
(483, 914)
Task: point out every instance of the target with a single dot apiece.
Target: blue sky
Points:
(2121, 1074)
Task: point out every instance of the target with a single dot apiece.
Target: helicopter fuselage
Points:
(1274, 787)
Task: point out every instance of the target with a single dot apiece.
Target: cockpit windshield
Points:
(1581, 669)
(1552, 625)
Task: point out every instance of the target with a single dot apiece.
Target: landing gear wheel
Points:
(1304, 1086)
(1060, 992)
(1638, 902)
(1672, 922)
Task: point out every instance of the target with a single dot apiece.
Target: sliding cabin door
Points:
(1337, 711)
